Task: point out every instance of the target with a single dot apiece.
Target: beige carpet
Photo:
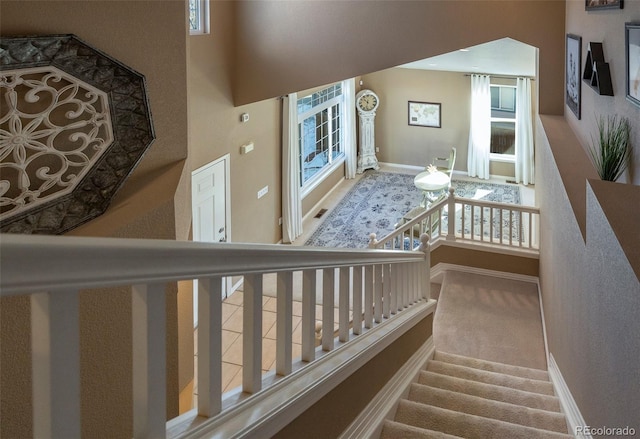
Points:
(490, 318)
(458, 396)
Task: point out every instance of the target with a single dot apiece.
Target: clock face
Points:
(367, 102)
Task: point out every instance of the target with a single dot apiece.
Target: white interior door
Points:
(210, 211)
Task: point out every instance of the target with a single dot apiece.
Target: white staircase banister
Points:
(64, 262)
(65, 265)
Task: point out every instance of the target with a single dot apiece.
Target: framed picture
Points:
(632, 55)
(424, 114)
(572, 67)
(594, 5)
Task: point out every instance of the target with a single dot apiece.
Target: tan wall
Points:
(149, 37)
(312, 43)
(314, 197)
(215, 129)
(411, 145)
(606, 27)
(487, 260)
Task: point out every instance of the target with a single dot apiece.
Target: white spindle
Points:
(386, 285)
(343, 321)
(510, 227)
(395, 287)
(481, 223)
(357, 299)
(284, 323)
(55, 343)
(501, 227)
(377, 288)
(328, 291)
(368, 296)
(309, 315)
(209, 346)
(149, 360)
(530, 230)
(426, 270)
(417, 268)
(462, 222)
(252, 334)
(520, 225)
(451, 233)
(491, 226)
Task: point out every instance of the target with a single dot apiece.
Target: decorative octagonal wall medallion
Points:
(74, 123)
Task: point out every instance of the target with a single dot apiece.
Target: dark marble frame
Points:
(133, 131)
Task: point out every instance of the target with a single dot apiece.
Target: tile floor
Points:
(232, 306)
(232, 337)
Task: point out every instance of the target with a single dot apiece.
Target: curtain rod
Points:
(500, 76)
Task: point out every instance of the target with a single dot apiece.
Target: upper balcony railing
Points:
(372, 286)
(489, 223)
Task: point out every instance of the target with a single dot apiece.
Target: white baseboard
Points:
(383, 406)
(568, 404)
(439, 269)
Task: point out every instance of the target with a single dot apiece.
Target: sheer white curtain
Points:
(480, 127)
(291, 202)
(524, 133)
(350, 147)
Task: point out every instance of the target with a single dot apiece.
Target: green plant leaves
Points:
(612, 151)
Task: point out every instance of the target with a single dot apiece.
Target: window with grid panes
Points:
(320, 132)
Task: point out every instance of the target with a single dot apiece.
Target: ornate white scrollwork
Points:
(53, 129)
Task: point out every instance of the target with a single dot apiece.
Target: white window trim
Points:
(315, 181)
(203, 25)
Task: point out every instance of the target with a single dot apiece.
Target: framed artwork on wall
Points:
(425, 114)
(572, 68)
(594, 5)
(632, 56)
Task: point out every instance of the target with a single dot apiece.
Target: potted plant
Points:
(611, 153)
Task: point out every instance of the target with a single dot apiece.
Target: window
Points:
(320, 133)
(198, 17)
(503, 121)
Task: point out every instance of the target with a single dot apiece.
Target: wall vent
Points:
(320, 213)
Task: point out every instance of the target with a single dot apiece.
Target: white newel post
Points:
(372, 240)
(451, 215)
(55, 343)
(426, 272)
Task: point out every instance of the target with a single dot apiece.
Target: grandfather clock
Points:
(367, 103)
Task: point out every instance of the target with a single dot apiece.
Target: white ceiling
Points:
(506, 57)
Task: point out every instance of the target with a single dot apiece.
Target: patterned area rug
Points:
(380, 199)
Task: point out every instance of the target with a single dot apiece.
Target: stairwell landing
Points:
(488, 377)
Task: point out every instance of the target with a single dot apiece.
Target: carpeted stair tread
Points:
(490, 391)
(527, 384)
(397, 430)
(487, 408)
(491, 366)
(465, 425)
